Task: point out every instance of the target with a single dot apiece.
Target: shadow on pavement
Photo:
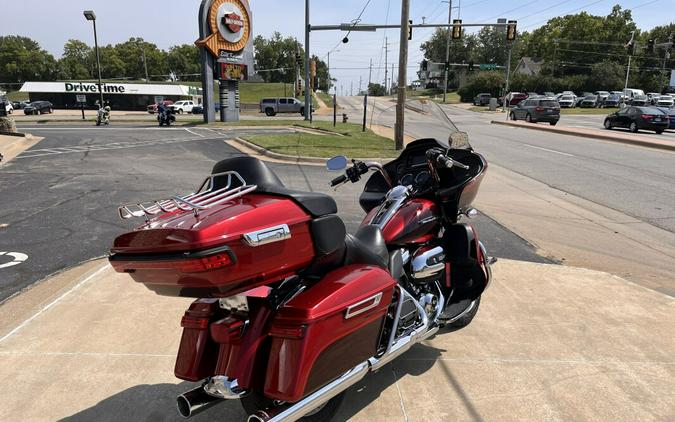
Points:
(157, 402)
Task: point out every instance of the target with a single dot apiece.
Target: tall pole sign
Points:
(226, 53)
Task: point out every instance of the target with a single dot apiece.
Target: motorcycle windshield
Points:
(423, 118)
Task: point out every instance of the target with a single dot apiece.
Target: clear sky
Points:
(170, 22)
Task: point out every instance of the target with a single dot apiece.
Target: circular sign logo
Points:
(230, 23)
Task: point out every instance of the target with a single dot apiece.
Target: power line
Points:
(568, 12)
(499, 15)
(544, 10)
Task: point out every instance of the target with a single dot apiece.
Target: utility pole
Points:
(666, 56)
(351, 88)
(145, 64)
(402, 75)
(370, 72)
(631, 51)
(391, 79)
(386, 74)
(308, 92)
(359, 90)
(447, 52)
(328, 72)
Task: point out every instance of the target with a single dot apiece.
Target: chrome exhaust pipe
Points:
(195, 401)
(293, 412)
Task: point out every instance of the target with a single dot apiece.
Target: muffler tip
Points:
(184, 407)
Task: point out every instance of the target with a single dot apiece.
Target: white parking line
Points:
(550, 150)
(198, 134)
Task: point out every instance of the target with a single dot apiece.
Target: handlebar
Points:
(338, 180)
(437, 156)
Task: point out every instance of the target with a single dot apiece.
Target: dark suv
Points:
(38, 107)
(537, 110)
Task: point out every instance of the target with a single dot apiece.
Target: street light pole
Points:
(91, 16)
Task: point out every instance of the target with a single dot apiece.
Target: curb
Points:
(592, 135)
(17, 134)
(291, 158)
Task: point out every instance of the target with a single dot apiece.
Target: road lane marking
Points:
(198, 134)
(52, 303)
(18, 259)
(550, 150)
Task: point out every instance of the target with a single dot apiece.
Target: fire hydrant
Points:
(344, 117)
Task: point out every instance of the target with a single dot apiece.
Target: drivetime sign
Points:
(89, 87)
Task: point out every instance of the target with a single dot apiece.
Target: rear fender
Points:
(467, 267)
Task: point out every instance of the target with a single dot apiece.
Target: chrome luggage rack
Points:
(205, 197)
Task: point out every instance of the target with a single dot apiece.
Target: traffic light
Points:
(298, 58)
(470, 66)
(456, 29)
(410, 30)
(650, 46)
(511, 30)
(425, 65)
(312, 67)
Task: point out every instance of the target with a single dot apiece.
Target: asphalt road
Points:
(637, 181)
(60, 197)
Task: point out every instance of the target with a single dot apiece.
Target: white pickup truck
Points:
(183, 106)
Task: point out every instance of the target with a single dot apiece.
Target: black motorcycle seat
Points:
(367, 246)
(255, 172)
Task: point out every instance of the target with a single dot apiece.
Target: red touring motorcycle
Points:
(291, 310)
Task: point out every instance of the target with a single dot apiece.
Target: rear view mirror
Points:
(339, 162)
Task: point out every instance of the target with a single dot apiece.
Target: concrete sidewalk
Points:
(607, 135)
(549, 343)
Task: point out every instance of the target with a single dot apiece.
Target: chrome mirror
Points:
(339, 162)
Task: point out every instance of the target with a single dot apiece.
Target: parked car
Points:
(272, 106)
(183, 106)
(549, 94)
(630, 93)
(582, 97)
(482, 99)
(664, 101)
(636, 118)
(513, 98)
(199, 109)
(589, 101)
(19, 105)
(639, 100)
(652, 97)
(541, 109)
(39, 107)
(612, 100)
(152, 108)
(9, 108)
(602, 96)
(566, 101)
(671, 113)
(532, 94)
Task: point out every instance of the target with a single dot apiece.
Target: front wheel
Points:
(658, 131)
(180, 111)
(608, 124)
(302, 111)
(466, 319)
(552, 123)
(512, 116)
(255, 401)
(528, 118)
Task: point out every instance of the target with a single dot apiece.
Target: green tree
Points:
(112, 66)
(131, 52)
(77, 61)
(376, 90)
(183, 60)
(22, 59)
(275, 57)
(461, 51)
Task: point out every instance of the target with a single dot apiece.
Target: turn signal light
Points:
(287, 332)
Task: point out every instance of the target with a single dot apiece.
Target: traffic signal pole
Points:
(447, 53)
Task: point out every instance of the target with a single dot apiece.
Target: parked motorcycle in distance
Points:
(166, 117)
(290, 310)
(103, 116)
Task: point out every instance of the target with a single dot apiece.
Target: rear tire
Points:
(552, 123)
(659, 131)
(512, 116)
(607, 124)
(302, 111)
(633, 127)
(269, 112)
(528, 118)
(255, 401)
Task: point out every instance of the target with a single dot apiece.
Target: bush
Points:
(491, 82)
(7, 124)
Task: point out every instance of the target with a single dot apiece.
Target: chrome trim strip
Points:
(461, 314)
(267, 235)
(376, 301)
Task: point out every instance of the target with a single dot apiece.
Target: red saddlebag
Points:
(326, 330)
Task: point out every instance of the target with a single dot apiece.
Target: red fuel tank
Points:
(415, 222)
